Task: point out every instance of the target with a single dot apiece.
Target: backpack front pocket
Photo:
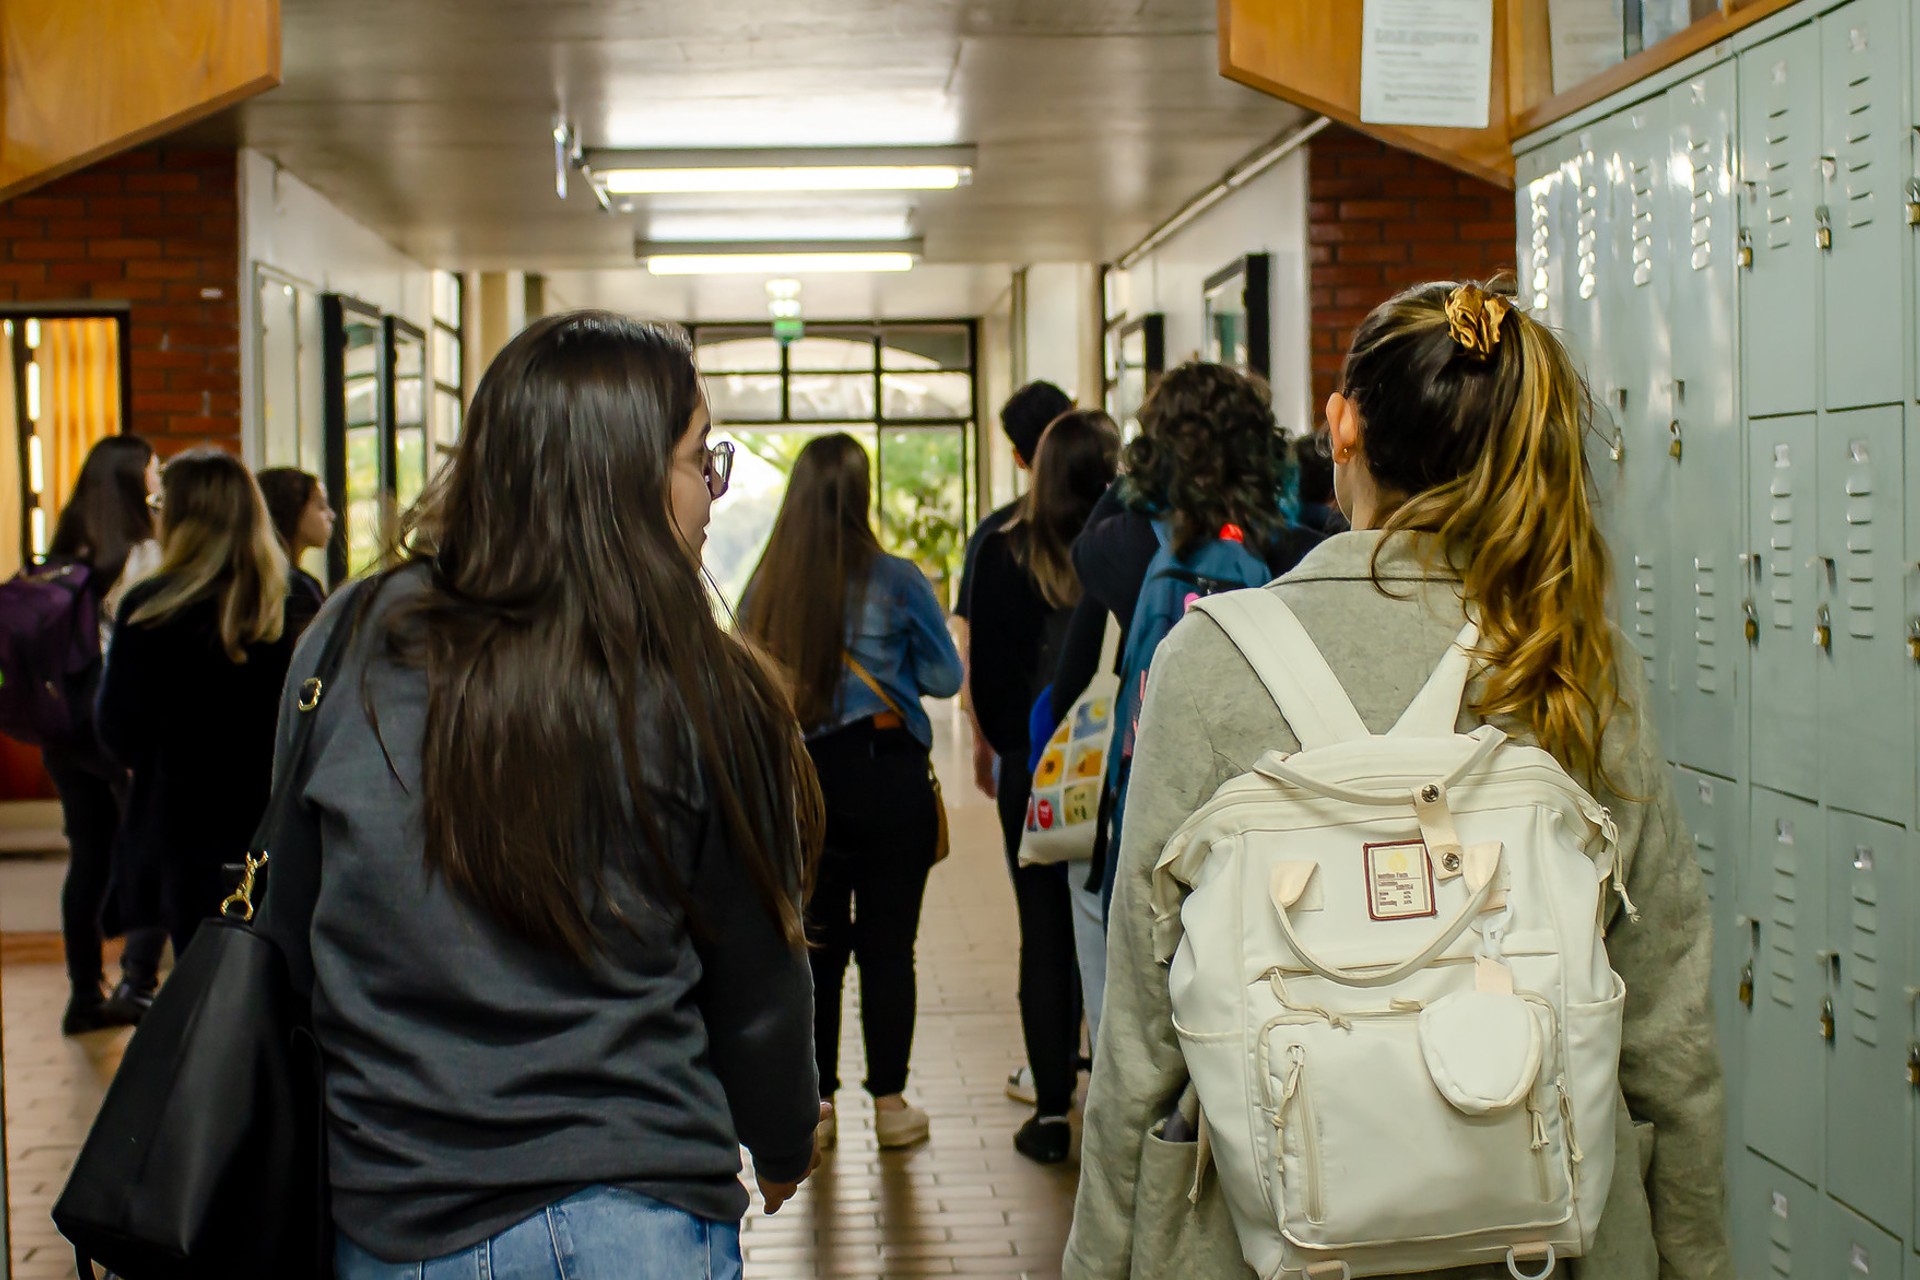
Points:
(1360, 1129)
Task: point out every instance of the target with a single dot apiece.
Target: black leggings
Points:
(91, 793)
(1049, 972)
(881, 830)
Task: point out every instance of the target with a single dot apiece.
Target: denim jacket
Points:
(899, 634)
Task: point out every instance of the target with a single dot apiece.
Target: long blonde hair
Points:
(1474, 420)
(218, 542)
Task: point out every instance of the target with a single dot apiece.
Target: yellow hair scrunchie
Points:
(1474, 317)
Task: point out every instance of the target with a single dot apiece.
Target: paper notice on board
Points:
(1586, 36)
(1427, 62)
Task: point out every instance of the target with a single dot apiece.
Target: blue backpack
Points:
(1173, 583)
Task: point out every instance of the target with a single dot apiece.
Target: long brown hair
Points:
(1478, 439)
(563, 608)
(106, 515)
(1073, 466)
(814, 571)
(218, 543)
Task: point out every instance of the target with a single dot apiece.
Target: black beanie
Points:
(1029, 412)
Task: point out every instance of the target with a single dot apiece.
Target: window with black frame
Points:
(907, 392)
(360, 473)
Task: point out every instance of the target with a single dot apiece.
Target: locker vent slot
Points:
(1782, 945)
(1586, 224)
(1646, 601)
(1863, 949)
(1700, 207)
(1856, 155)
(1858, 566)
(1779, 179)
(1640, 177)
(1780, 1239)
(1540, 262)
(1706, 677)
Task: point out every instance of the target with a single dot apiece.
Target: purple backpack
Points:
(49, 638)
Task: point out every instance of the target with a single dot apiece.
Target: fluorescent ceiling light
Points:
(681, 258)
(745, 264)
(733, 171)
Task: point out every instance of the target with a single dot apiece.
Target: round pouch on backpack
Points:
(1482, 1049)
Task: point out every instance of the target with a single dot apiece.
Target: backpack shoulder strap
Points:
(1287, 661)
(1435, 710)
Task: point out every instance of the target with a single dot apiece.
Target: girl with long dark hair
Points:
(1024, 591)
(553, 848)
(304, 519)
(191, 689)
(106, 525)
(864, 639)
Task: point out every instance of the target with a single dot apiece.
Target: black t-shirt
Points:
(989, 525)
(1016, 638)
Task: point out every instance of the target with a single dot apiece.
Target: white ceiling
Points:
(430, 120)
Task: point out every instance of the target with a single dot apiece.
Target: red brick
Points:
(1343, 231)
(129, 290)
(159, 269)
(91, 182)
(49, 250)
(1488, 231)
(1418, 233)
(1341, 275)
(1320, 254)
(1368, 297)
(204, 337)
(148, 380)
(1379, 209)
(1371, 252)
(127, 207)
(14, 272)
(196, 425)
(124, 249)
(220, 310)
(85, 272)
(225, 381)
(1345, 189)
(164, 402)
(48, 291)
(200, 204)
(21, 228)
(139, 159)
(158, 183)
(47, 207)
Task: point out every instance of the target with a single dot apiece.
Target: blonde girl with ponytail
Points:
(1457, 437)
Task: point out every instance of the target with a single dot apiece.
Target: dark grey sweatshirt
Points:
(473, 1079)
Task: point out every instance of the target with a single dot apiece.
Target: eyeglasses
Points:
(719, 469)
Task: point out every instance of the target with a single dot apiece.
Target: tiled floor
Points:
(964, 1204)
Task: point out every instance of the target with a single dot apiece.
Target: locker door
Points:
(1633, 327)
(1864, 160)
(1710, 648)
(1785, 714)
(1546, 241)
(1867, 728)
(1786, 893)
(1715, 812)
(1777, 1226)
(1855, 1249)
(1869, 1102)
(1780, 177)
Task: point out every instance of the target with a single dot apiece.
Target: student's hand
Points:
(776, 1194)
(983, 760)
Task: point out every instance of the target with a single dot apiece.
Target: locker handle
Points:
(1823, 228)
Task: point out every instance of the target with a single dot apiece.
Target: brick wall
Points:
(157, 227)
(1379, 220)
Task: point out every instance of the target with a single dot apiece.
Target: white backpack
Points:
(1390, 984)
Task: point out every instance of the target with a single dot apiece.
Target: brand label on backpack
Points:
(1399, 881)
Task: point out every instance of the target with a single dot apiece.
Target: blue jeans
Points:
(602, 1233)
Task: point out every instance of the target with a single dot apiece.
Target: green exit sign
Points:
(789, 330)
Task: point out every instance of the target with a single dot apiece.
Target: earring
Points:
(1344, 455)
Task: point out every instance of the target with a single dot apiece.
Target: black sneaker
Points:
(130, 1002)
(86, 1011)
(1044, 1139)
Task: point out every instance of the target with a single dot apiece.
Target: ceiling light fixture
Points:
(734, 171)
(805, 258)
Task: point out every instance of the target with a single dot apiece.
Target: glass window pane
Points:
(737, 354)
(830, 397)
(446, 358)
(363, 401)
(923, 501)
(278, 316)
(831, 353)
(744, 397)
(763, 459)
(927, 347)
(926, 395)
(446, 417)
(446, 298)
(362, 502)
(410, 465)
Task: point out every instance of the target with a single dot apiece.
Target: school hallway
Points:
(963, 1204)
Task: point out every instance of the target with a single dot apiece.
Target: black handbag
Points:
(207, 1160)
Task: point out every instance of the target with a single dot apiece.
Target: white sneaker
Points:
(1020, 1087)
(902, 1127)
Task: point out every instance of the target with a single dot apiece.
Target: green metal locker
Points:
(1777, 1224)
(1779, 172)
(1705, 454)
(1867, 726)
(1783, 887)
(1869, 1162)
(1715, 811)
(1853, 1249)
(1864, 156)
(1783, 493)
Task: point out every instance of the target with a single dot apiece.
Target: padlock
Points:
(1913, 639)
(1826, 1019)
(1823, 629)
(1746, 984)
(1913, 1065)
(1823, 228)
(1752, 623)
(1913, 202)
(1673, 450)
(1746, 250)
